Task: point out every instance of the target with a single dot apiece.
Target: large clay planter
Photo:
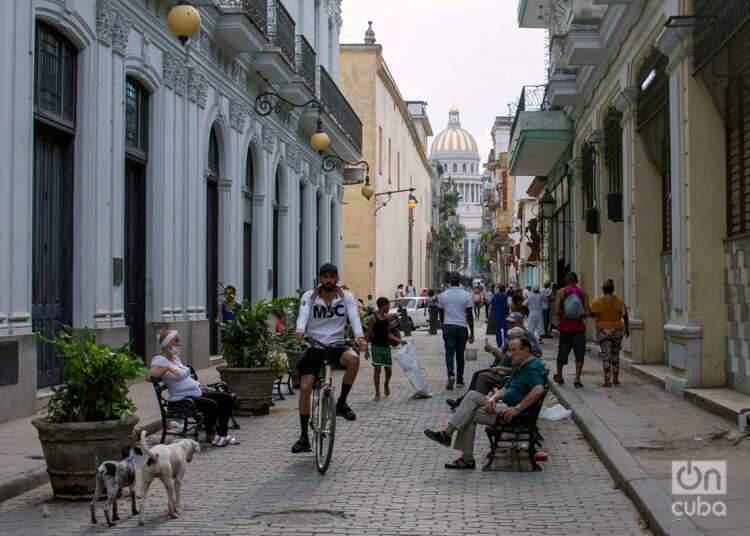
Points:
(292, 358)
(73, 450)
(253, 388)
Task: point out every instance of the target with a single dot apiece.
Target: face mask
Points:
(175, 351)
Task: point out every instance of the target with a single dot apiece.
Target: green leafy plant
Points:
(96, 379)
(248, 341)
(291, 305)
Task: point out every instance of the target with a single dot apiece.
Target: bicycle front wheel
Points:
(325, 432)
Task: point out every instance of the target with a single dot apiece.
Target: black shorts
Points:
(312, 361)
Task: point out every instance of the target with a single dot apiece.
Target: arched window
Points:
(213, 156)
(56, 67)
(455, 168)
(212, 240)
(249, 172)
(463, 168)
(136, 118)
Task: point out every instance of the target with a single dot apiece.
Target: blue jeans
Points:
(454, 339)
(501, 331)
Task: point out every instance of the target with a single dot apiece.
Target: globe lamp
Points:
(184, 21)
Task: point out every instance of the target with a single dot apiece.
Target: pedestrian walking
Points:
(499, 305)
(400, 292)
(546, 299)
(477, 299)
(379, 338)
(458, 326)
(534, 302)
(572, 306)
(611, 313)
(410, 290)
(487, 301)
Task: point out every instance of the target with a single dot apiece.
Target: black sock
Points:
(304, 422)
(345, 388)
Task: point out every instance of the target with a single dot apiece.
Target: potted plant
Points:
(253, 360)
(90, 418)
(293, 348)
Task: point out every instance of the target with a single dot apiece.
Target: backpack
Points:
(572, 307)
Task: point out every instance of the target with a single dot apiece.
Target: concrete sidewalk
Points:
(22, 464)
(638, 429)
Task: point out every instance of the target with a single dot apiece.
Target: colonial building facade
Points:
(640, 135)
(138, 175)
(386, 242)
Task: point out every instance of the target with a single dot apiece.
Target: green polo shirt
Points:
(523, 380)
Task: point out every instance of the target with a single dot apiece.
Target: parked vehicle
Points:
(416, 309)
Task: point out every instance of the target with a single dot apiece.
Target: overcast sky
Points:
(440, 50)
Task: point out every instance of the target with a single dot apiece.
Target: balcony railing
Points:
(281, 30)
(716, 24)
(256, 11)
(533, 99)
(338, 107)
(305, 62)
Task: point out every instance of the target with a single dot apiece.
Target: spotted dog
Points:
(115, 476)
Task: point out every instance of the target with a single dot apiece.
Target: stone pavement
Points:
(638, 429)
(385, 478)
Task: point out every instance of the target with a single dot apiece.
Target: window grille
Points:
(613, 149)
(55, 70)
(136, 117)
(587, 178)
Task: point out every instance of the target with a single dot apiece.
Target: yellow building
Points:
(640, 135)
(384, 242)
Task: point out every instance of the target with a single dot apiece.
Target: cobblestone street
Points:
(385, 478)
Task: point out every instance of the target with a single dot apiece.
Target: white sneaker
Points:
(451, 382)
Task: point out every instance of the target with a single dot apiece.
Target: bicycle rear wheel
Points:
(326, 431)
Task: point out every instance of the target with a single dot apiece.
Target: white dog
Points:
(167, 463)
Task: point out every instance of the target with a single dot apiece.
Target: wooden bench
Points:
(522, 428)
(184, 409)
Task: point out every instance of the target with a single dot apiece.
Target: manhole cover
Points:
(301, 517)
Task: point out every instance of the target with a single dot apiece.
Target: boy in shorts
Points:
(380, 337)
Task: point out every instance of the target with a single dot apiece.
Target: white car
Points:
(416, 309)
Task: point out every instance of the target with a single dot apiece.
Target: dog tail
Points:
(153, 458)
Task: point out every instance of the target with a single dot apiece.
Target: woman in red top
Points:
(572, 329)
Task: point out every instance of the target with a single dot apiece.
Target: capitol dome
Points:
(454, 142)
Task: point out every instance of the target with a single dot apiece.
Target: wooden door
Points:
(52, 286)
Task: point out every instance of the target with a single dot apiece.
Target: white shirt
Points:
(411, 291)
(525, 293)
(326, 324)
(455, 301)
(545, 292)
(178, 386)
(534, 302)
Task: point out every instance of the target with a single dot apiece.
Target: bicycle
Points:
(323, 408)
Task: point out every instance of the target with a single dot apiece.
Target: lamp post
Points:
(352, 173)
(269, 102)
(368, 191)
(412, 203)
(183, 21)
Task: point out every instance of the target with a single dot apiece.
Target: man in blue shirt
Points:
(525, 387)
(499, 305)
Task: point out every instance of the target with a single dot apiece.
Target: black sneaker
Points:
(460, 384)
(345, 411)
(302, 445)
(452, 403)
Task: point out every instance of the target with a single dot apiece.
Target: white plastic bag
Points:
(407, 358)
(555, 413)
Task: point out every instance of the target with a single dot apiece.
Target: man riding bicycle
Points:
(323, 314)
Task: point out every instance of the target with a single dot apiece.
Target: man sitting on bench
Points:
(525, 386)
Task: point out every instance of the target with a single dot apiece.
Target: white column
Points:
(308, 235)
(16, 167)
(675, 135)
(114, 299)
(626, 291)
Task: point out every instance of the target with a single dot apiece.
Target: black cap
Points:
(455, 276)
(328, 267)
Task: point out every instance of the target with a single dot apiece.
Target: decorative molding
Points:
(269, 139)
(595, 136)
(340, 193)
(225, 184)
(295, 160)
(237, 115)
(112, 26)
(257, 200)
(574, 166)
(624, 98)
(175, 73)
(684, 330)
(197, 87)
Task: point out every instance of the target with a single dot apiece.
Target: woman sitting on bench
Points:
(215, 406)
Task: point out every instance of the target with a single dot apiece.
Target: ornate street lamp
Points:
(183, 21)
(547, 203)
(269, 102)
(412, 201)
(352, 173)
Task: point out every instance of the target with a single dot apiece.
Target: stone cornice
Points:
(625, 98)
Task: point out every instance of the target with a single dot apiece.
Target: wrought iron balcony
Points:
(338, 108)
(716, 24)
(305, 62)
(256, 11)
(281, 30)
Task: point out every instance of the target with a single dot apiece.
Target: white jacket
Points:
(326, 324)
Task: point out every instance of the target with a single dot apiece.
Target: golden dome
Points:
(453, 108)
(454, 140)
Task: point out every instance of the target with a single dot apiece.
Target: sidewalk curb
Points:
(652, 502)
(37, 477)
